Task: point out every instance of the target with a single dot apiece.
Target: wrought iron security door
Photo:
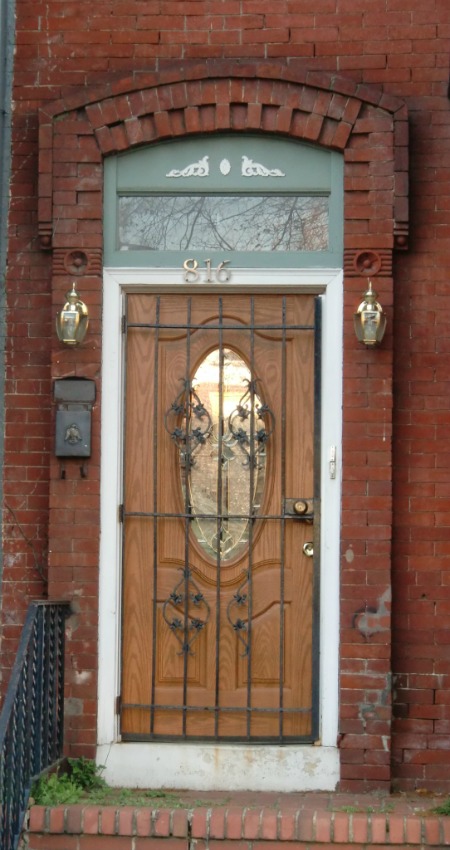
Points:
(220, 518)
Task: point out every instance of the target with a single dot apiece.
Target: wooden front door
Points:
(220, 518)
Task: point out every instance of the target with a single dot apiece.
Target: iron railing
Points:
(31, 721)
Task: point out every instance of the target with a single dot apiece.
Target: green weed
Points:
(53, 790)
(444, 809)
(86, 774)
(81, 777)
(350, 810)
(383, 808)
(80, 781)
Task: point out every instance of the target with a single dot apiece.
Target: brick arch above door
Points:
(369, 127)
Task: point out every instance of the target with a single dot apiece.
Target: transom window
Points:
(249, 200)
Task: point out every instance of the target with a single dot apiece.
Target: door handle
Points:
(308, 549)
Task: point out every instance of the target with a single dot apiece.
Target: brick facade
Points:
(351, 76)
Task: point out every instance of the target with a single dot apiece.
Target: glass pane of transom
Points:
(223, 222)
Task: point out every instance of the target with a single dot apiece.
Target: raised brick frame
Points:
(371, 130)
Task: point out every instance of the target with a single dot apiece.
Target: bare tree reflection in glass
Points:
(223, 222)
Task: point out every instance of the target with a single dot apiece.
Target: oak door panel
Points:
(228, 674)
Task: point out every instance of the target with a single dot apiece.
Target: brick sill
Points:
(353, 821)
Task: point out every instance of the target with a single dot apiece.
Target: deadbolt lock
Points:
(301, 509)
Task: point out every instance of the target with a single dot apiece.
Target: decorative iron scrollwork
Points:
(187, 409)
(251, 439)
(239, 623)
(186, 622)
(220, 505)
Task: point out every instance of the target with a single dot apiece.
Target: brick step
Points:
(231, 828)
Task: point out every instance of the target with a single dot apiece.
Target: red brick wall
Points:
(421, 577)
(27, 432)
(386, 49)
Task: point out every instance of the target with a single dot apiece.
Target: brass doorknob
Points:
(308, 549)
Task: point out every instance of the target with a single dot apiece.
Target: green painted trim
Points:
(292, 168)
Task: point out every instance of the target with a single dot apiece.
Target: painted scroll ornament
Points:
(249, 168)
(256, 169)
(195, 169)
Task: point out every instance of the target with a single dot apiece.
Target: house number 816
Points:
(192, 273)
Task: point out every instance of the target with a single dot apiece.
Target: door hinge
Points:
(123, 323)
(120, 512)
(118, 704)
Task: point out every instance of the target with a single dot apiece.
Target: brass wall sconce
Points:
(73, 320)
(370, 319)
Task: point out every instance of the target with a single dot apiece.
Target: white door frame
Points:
(213, 766)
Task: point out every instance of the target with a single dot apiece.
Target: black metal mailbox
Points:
(74, 398)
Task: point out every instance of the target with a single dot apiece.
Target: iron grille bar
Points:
(155, 505)
(317, 516)
(219, 526)
(250, 530)
(124, 471)
(243, 328)
(283, 496)
(191, 516)
(226, 739)
(217, 709)
(186, 508)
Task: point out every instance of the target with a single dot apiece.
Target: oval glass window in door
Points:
(223, 434)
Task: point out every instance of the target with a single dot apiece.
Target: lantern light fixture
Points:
(370, 319)
(73, 320)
